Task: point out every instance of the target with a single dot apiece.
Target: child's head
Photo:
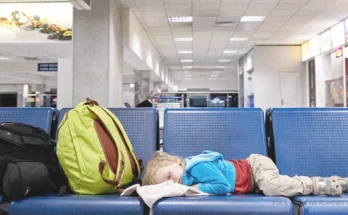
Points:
(163, 167)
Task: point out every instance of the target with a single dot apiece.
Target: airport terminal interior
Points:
(238, 77)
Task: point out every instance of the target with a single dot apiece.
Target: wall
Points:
(139, 52)
(327, 67)
(13, 75)
(23, 73)
(128, 94)
(128, 78)
(269, 63)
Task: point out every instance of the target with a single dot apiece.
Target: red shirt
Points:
(243, 176)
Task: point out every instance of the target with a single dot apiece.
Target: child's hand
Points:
(194, 186)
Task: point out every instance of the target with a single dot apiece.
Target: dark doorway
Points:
(8, 100)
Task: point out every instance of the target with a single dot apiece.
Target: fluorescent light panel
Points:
(183, 39)
(224, 60)
(187, 67)
(186, 71)
(238, 39)
(214, 75)
(220, 67)
(184, 52)
(180, 19)
(229, 52)
(186, 61)
(252, 18)
(188, 75)
(4, 58)
(216, 72)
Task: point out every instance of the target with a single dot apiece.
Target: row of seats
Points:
(305, 141)
(140, 125)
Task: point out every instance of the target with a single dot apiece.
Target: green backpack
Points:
(94, 150)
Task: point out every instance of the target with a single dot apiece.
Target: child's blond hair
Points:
(158, 160)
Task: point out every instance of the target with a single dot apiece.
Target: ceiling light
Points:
(188, 75)
(131, 85)
(252, 18)
(224, 60)
(4, 58)
(229, 52)
(220, 67)
(186, 71)
(216, 72)
(187, 67)
(180, 19)
(186, 61)
(214, 75)
(184, 52)
(238, 39)
(183, 39)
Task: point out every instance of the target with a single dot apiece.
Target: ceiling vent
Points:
(81, 4)
(34, 58)
(225, 23)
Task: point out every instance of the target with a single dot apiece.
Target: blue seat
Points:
(233, 204)
(140, 125)
(321, 205)
(313, 142)
(39, 117)
(236, 133)
(78, 204)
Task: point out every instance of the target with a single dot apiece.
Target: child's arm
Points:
(210, 179)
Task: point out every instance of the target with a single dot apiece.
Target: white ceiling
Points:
(287, 22)
(31, 52)
(21, 1)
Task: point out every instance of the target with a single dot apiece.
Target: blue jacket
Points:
(211, 172)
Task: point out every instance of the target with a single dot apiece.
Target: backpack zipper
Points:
(114, 170)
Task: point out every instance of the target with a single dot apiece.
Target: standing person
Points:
(148, 102)
(211, 173)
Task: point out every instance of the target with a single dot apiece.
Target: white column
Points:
(64, 83)
(97, 57)
(141, 85)
(116, 56)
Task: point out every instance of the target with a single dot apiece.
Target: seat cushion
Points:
(78, 204)
(321, 205)
(232, 204)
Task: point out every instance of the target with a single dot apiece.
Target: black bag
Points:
(28, 163)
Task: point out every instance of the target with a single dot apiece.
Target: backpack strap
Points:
(117, 181)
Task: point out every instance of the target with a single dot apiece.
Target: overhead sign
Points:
(315, 46)
(337, 35)
(47, 67)
(306, 51)
(325, 41)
